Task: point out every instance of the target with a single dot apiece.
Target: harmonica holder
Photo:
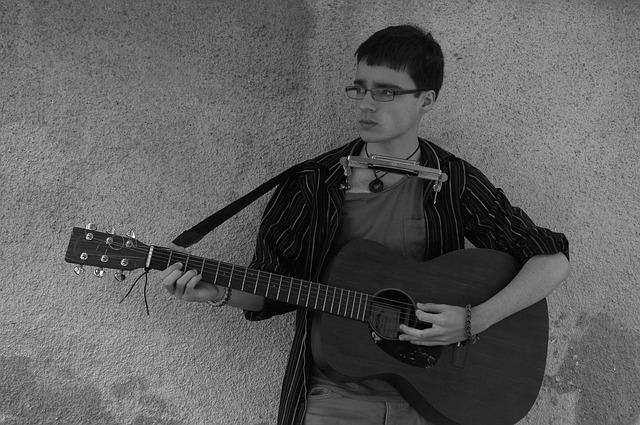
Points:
(393, 165)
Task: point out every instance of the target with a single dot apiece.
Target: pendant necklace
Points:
(377, 185)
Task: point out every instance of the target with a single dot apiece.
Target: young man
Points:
(399, 74)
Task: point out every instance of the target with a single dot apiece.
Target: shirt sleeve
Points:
(279, 243)
(492, 222)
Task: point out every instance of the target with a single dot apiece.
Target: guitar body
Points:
(494, 381)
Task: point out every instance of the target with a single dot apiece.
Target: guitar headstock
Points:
(89, 247)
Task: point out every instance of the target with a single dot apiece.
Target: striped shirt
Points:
(302, 218)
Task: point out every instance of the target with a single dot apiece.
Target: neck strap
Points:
(200, 230)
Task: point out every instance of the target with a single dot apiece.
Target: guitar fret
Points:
(279, 287)
(359, 305)
(244, 279)
(353, 304)
(202, 268)
(346, 307)
(315, 306)
(324, 303)
(333, 299)
(364, 309)
(340, 301)
(215, 278)
(186, 263)
(346, 304)
(231, 275)
(268, 284)
(308, 295)
(169, 260)
(274, 286)
(289, 291)
(366, 303)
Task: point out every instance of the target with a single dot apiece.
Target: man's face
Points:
(395, 122)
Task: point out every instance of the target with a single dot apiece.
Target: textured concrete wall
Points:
(151, 114)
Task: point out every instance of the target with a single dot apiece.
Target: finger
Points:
(427, 317)
(426, 343)
(419, 337)
(169, 282)
(183, 281)
(166, 272)
(189, 288)
(431, 307)
(412, 333)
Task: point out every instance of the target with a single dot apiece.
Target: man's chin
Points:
(369, 137)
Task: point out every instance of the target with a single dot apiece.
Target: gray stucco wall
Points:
(152, 114)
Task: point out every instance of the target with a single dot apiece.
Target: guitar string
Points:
(233, 271)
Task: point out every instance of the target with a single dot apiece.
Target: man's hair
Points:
(406, 48)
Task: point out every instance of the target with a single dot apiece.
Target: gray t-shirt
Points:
(395, 218)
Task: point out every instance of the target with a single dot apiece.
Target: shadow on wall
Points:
(30, 398)
(603, 367)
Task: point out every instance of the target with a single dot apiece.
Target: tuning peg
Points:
(132, 236)
(119, 276)
(99, 272)
(91, 226)
(79, 269)
(112, 231)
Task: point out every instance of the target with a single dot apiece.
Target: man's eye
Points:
(359, 90)
(386, 92)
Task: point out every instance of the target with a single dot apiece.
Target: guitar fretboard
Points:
(315, 296)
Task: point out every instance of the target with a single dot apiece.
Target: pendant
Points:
(376, 185)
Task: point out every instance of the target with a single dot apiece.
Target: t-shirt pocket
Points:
(415, 236)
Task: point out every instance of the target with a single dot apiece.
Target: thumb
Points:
(175, 247)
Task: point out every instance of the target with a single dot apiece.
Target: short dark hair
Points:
(406, 48)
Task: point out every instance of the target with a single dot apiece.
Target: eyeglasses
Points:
(379, 94)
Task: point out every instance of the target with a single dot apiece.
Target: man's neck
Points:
(399, 149)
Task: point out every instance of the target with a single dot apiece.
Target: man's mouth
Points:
(367, 123)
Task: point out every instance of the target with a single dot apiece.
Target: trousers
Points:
(325, 407)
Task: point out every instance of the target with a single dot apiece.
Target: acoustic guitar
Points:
(367, 293)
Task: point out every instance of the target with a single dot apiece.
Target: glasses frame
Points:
(377, 92)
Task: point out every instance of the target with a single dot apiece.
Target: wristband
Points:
(470, 337)
(223, 301)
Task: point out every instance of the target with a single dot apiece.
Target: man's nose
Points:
(368, 102)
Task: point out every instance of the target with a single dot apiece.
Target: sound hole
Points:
(391, 308)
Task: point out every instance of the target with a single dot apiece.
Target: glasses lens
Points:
(354, 92)
(383, 95)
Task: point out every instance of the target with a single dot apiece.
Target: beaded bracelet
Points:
(221, 302)
(470, 338)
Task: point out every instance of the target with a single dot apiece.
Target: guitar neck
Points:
(315, 296)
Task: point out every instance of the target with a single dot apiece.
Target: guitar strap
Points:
(200, 230)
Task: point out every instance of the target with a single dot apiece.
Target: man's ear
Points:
(429, 100)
